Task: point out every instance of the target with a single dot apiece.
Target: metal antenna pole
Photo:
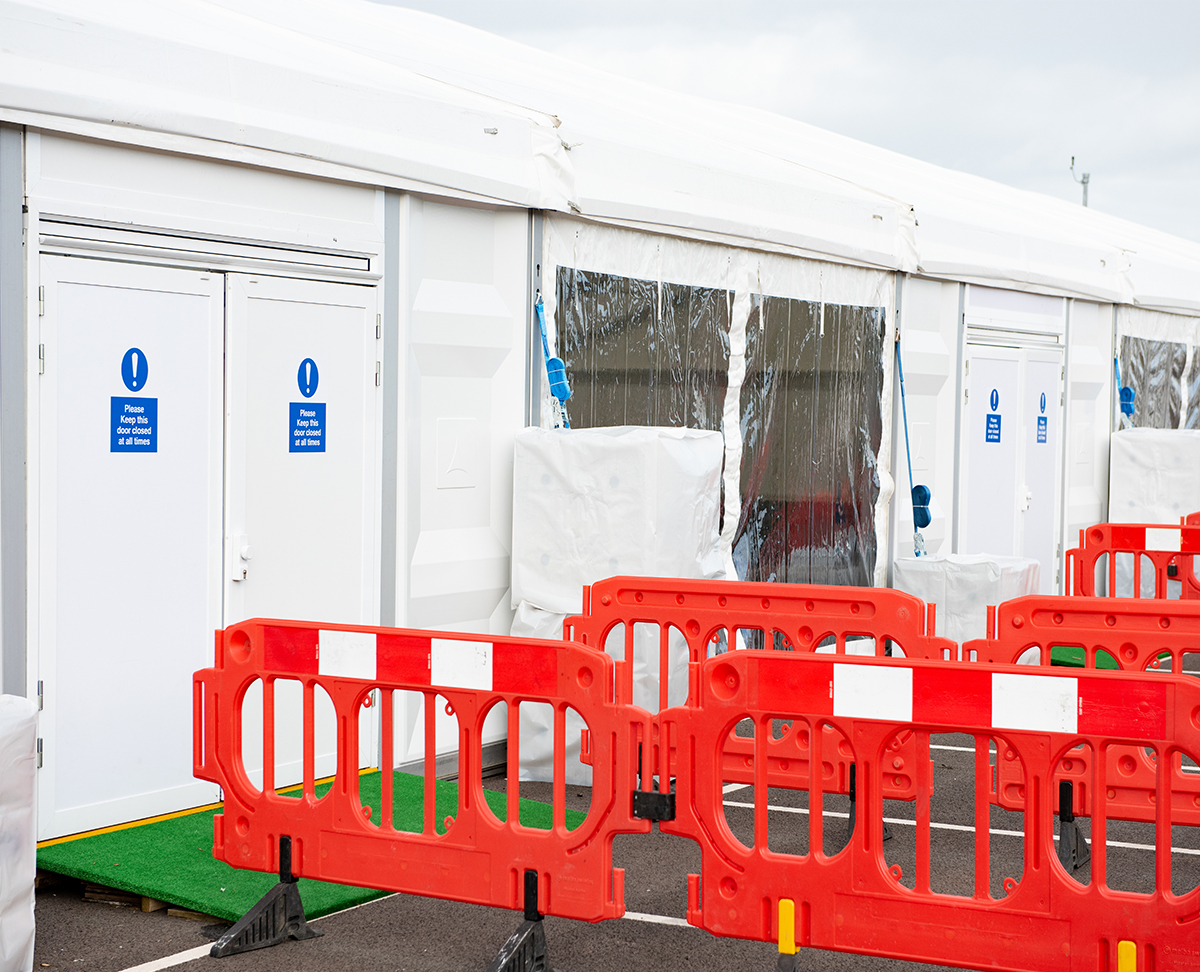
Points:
(1083, 179)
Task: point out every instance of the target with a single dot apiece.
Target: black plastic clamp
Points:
(653, 805)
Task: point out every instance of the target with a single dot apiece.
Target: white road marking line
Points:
(200, 951)
(657, 919)
(730, 787)
(171, 961)
(179, 958)
(960, 827)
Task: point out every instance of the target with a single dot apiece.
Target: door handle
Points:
(241, 552)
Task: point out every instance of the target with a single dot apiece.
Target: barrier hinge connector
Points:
(653, 806)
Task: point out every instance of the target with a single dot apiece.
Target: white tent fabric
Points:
(392, 97)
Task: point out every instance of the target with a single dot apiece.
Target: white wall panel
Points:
(929, 350)
(1088, 418)
(466, 273)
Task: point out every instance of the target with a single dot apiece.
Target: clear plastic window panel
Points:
(1193, 393)
(811, 428)
(630, 363)
(810, 407)
(1154, 369)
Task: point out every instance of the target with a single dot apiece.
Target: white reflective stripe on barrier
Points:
(864, 692)
(1162, 538)
(348, 654)
(1035, 703)
(461, 664)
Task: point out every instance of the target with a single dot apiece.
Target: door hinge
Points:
(41, 301)
(967, 365)
(41, 696)
(377, 378)
(39, 752)
(966, 394)
(378, 326)
(41, 359)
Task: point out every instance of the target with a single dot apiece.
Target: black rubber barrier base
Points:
(788, 963)
(525, 950)
(278, 915)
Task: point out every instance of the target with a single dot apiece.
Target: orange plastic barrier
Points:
(782, 617)
(1166, 549)
(848, 898)
(712, 614)
(861, 727)
(1137, 635)
(474, 856)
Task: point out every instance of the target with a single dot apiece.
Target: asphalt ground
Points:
(404, 932)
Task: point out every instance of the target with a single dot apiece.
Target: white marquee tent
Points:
(228, 189)
(377, 94)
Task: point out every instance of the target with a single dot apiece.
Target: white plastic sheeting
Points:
(595, 503)
(1154, 475)
(371, 93)
(18, 846)
(963, 585)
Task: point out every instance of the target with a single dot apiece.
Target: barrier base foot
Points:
(278, 916)
(788, 963)
(525, 951)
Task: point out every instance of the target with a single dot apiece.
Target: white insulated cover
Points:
(963, 585)
(1154, 475)
(596, 503)
(18, 842)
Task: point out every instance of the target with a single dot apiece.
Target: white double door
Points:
(1010, 483)
(167, 456)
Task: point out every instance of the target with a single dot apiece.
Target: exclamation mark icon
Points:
(307, 374)
(134, 370)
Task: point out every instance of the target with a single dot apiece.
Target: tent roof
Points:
(394, 97)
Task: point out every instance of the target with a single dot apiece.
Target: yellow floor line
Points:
(173, 816)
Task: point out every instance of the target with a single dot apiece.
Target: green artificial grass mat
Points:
(1071, 656)
(171, 860)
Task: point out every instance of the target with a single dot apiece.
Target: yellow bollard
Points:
(1126, 957)
(787, 928)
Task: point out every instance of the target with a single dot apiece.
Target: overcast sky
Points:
(1006, 90)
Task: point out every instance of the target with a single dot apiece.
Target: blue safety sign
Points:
(133, 422)
(993, 428)
(134, 425)
(1041, 428)
(134, 369)
(307, 377)
(992, 431)
(307, 427)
